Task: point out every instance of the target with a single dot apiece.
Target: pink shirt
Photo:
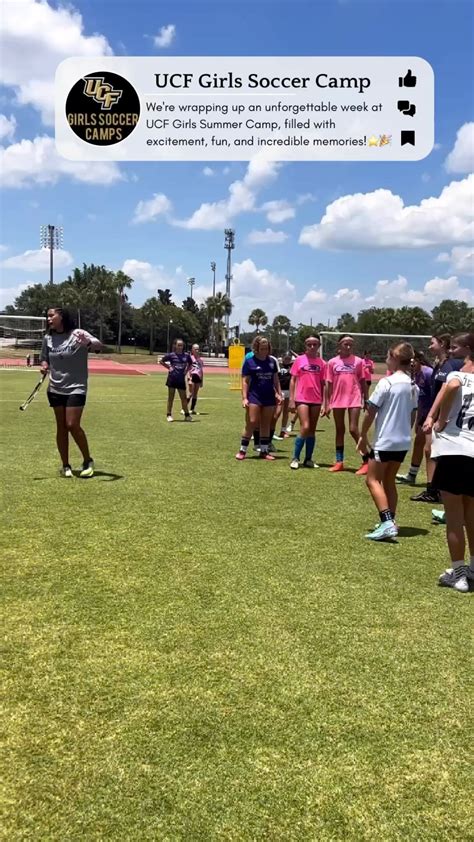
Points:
(368, 368)
(310, 373)
(345, 375)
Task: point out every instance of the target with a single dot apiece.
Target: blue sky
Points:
(383, 233)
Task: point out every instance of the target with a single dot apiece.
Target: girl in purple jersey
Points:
(260, 393)
(423, 375)
(178, 363)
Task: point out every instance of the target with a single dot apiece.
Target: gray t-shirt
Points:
(67, 360)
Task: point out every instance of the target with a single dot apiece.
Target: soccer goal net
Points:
(21, 332)
(375, 345)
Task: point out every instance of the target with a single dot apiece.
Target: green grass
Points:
(203, 650)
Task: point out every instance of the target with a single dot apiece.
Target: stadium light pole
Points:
(229, 244)
(51, 237)
(213, 270)
(191, 282)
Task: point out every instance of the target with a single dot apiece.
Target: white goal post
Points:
(377, 344)
(21, 331)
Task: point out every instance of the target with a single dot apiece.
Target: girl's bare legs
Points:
(62, 436)
(73, 426)
(171, 393)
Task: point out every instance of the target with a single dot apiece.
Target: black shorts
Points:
(65, 400)
(388, 455)
(176, 384)
(306, 403)
(454, 474)
(196, 379)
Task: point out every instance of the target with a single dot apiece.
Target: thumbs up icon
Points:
(407, 81)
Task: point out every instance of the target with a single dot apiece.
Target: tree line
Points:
(99, 299)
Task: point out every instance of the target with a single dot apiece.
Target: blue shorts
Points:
(265, 401)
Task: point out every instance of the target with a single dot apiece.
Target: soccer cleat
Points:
(438, 515)
(66, 471)
(460, 583)
(290, 428)
(188, 417)
(267, 457)
(278, 438)
(405, 479)
(87, 469)
(449, 573)
(362, 470)
(193, 412)
(338, 466)
(240, 455)
(169, 418)
(386, 531)
(426, 497)
(308, 463)
(294, 464)
(181, 411)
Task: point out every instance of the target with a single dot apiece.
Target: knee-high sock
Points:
(310, 444)
(299, 444)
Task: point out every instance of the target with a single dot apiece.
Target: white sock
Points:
(413, 470)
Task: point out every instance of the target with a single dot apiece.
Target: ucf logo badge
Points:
(102, 92)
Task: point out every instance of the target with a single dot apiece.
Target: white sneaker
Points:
(447, 579)
(170, 418)
(66, 471)
(294, 464)
(289, 428)
(181, 411)
(308, 463)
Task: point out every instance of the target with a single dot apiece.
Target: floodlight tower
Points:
(51, 237)
(191, 282)
(229, 244)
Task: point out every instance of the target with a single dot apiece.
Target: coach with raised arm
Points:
(64, 357)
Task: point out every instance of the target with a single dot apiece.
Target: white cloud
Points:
(3, 247)
(37, 260)
(208, 171)
(461, 157)
(149, 210)
(165, 36)
(347, 294)
(268, 236)
(37, 162)
(460, 258)
(242, 198)
(397, 293)
(152, 277)
(278, 210)
(7, 127)
(35, 38)
(381, 220)
(304, 198)
(8, 294)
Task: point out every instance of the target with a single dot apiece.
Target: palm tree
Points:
(281, 324)
(257, 317)
(122, 282)
(164, 296)
(219, 306)
(103, 292)
(152, 310)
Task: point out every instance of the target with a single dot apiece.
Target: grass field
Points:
(198, 649)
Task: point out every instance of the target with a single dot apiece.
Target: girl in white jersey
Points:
(453, 451)
(195, 377)
(393, 406)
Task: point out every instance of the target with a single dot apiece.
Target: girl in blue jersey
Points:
(260, 393)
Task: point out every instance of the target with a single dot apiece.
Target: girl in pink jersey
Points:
(346, 390)
(308, 376)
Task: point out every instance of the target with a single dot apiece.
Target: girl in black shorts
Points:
(453, 452)
(178, 364)
(64, 356)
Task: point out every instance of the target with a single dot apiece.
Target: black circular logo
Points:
(102, 108)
